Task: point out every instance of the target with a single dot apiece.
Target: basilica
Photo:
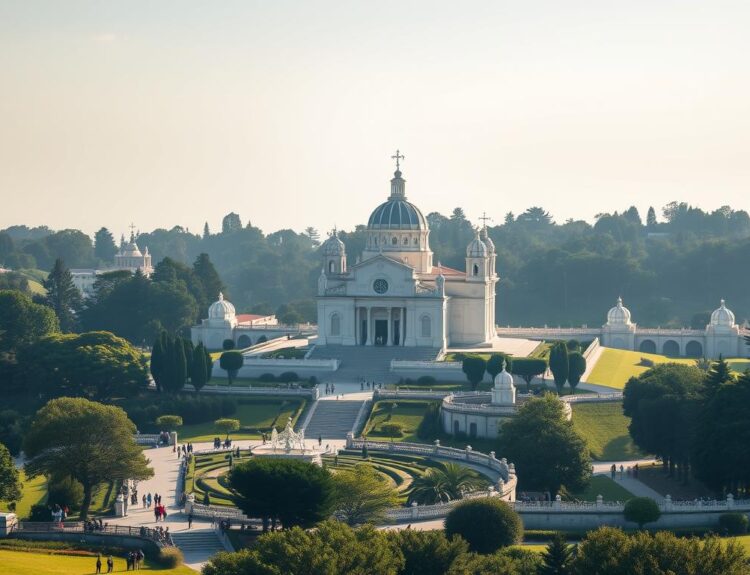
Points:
(396, 295)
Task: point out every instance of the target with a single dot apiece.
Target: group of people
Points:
(134, 560)
(94, 525)
(330, 388)
(369, 385)
(59, 514)
(218, 443)
(110, 563)
(183, 450)
(631, 471)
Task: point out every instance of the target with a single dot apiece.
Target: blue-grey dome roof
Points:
(397, 214)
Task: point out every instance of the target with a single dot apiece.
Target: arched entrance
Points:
(671, 348)
(244, 341)
(455, 428)
(694, 349)
(647, 346)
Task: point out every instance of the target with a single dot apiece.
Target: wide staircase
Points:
(371, 362)
(333, 419)
(197, 543)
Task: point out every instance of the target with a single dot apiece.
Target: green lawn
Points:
(616, 366)
(26, 563)
(739, 365)
(34, 491)
(254, 416)
(606, 430)
(409, 413)
(604, 486)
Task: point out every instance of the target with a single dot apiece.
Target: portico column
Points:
(390, 326)
(401, 326)
(369, 325)
(356, 325)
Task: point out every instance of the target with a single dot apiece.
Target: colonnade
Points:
(367, 336)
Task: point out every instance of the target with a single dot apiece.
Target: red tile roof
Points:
(247, 317)
(447, 271)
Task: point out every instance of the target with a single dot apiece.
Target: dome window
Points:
(475, 270)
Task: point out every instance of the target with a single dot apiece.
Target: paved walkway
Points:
(635, 486)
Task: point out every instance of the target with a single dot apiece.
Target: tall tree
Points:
(10, 486)
(209, 278)
(206, 231)
(495, 364)
(314, 236)
(557, 556)
(528, 368)
(576, 368)
(63, 296)
(558, 363)
(550, 459)
(474, 367)
(231, 361)
(289, 491)
(87, 441)
(198, 372)
(23, 322)
(104, 246)
(209, 364)
(651, 218)
(158, 359)
(719, 374)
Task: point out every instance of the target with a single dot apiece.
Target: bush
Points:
(733, 523)
(65, 491)
(313, 381)
(267, 378)
(288, 377)
(641, 510)
(573, 345)
(169, 422)
(486, 524)
(227, 344)
(392, 429)
(426, 381)
(170, 557)
(40, 512)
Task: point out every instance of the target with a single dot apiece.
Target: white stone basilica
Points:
(396, 296)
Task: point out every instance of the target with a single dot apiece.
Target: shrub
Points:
(288, 377)
(486, 524)
(426, 380)
(267, 378)
(641, 510)
(65, 491)
(573, 345)
(313, 381)
(169, 422)
(40, 512)
(170, 557)
(733, 523)
(227, 344)
(392, 429)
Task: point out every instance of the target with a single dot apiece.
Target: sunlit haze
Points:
(176, 113)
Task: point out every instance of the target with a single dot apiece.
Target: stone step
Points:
(205, 541)
(333, 419)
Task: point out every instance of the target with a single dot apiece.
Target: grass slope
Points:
(34, 491)
(409, 413)
(252, 417)
(606, 430)
(25, 563)
(616, 366)
(604, 486)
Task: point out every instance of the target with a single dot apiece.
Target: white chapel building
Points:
(396, 295)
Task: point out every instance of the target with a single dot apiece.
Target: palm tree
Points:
(445, 483)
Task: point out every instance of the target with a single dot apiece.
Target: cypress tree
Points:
(180, 366)
(576, 368)
(719, 373)
(157, 361)
(188, 346)
(198, 371)
(63, 296)
(557, 557)
(558, 363)
(651, 217)
(209, 364)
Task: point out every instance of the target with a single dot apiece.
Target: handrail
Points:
(155, 535)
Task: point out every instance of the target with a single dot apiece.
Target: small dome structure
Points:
(131, 250)
(221, 309)
(476, 248)
(503, 380)
(397, 213)
(618, 315)
(333, 246)
(723, 316)
(485, 237)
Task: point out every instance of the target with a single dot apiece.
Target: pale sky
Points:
(174, 113)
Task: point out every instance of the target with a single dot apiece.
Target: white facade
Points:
(395, 296)
(244, 329)
(128, 258)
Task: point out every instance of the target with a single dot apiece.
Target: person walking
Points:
(110, 564)
(156, 513)
(98, 563)
(144, 501)
(190, 521)
(320, 440)
(148, 501)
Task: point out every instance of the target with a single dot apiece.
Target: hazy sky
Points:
(168, 113)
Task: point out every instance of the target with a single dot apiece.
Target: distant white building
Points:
(396, 295)
(243, 329)
(128, 258)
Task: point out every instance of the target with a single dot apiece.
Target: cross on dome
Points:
(485, 218)
(399, 156)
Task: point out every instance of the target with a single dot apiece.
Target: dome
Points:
(333, 246)
(131, 250)
(397, 213)
(618, 315)
(477, 248)
(723, 316)
(503, 379)
(221, 309)
(487, 241)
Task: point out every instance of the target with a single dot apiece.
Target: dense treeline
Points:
(671, 272)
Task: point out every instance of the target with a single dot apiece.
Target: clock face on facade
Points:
(380, 286)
